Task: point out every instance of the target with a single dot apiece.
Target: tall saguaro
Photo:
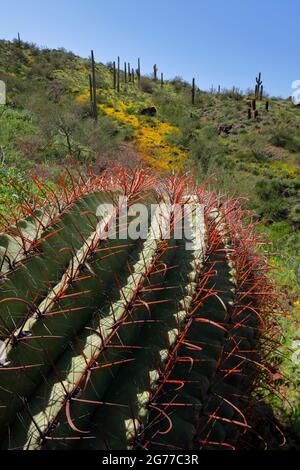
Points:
(129, 72)
(259, 87)
(139, 71)
(125, 72)
(115, 74)
(193, 92)
(91, 92)
(118, 76)
(94, 88)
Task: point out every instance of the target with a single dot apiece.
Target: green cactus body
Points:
(118, 76)
(139, 73)
(132, 343)
(129, 72)
(114, 75)
(94, 87)
(193, 92)
(259, 87)
(91, 92)
(125, 72)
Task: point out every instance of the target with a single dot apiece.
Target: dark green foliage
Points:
(146, 85)
(273, 194)
(295, 216)
(287, 135)
(205, 148)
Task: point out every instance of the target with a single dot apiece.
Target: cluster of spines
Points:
(212, 414)
(204, 302)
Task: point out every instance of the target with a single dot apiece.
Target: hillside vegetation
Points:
(47, 123)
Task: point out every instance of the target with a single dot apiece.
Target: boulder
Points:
(148, 112)
(225, 129)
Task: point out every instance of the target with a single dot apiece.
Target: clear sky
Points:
(224, 42)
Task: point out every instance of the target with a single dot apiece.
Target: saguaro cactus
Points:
(125, 72)
(118, 76)
(91, 92)
(258, 86)
(129, 72)
(162, 80)
(122, 342)
(155, 70)
(138, 72)
(193, 92)
(94, 86)
(115, 75)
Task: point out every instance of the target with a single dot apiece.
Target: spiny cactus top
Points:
(117, 342)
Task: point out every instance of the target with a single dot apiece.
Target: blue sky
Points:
(218, 42)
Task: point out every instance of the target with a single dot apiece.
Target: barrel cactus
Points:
(120, 342)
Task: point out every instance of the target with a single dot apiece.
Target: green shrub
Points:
(204, 148)
(147, 85)
(295, 216)
(286, 135)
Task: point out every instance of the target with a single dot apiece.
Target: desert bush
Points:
(179, 84)
(272, 194)
(295, 216)
(285, 133)
(31, 146)
(204, 148)
(233, 93)
(147, 86)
